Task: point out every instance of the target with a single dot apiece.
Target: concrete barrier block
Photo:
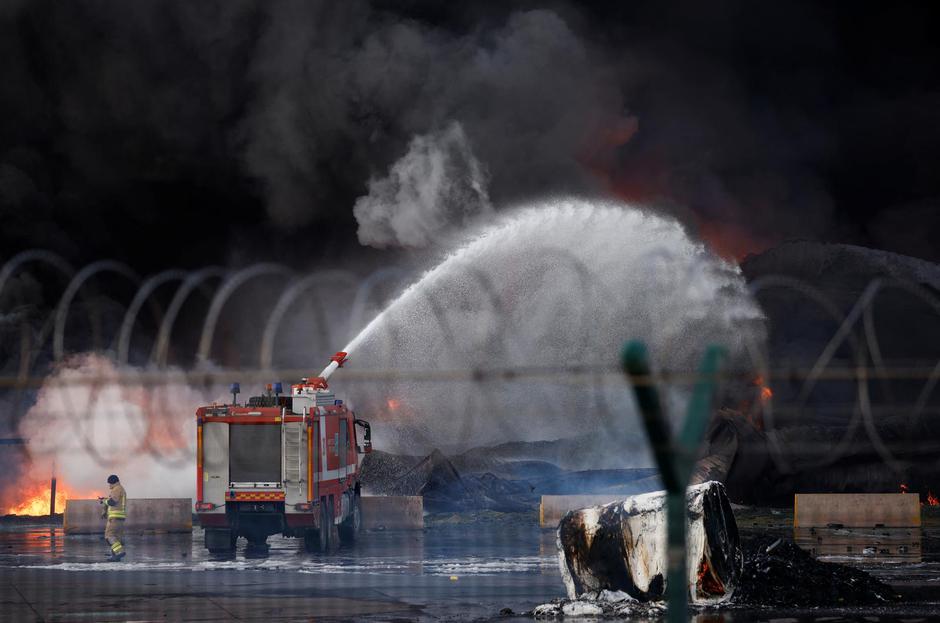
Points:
(553, 507)
(392, 512)
(143, 515)
(856, 510)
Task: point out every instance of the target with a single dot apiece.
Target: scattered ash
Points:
(778, 573)
(614, 604)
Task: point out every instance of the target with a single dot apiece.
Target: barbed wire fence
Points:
(853, 354)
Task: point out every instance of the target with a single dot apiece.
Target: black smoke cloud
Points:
(187, 133)
(342, 91)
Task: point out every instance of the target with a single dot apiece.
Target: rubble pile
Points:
(479, 481)
(381, 470)
(475, 481)
(778, 573)
(444, 488)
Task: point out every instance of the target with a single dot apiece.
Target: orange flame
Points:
(765, 392)
(932, 499)
(756, 398)
(903, 488)
(708, 583)
(702, 570)
(33, 499)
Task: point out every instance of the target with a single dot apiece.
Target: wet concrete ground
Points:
(453, 571)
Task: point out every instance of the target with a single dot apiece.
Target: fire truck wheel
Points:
(220, 540)
(320, 540)
(333, 539)
(257, 541)
(312, 541)
(317, 541)
(349, 529)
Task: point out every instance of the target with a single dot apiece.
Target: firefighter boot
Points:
(117, 552)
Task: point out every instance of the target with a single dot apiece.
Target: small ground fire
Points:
(34, 498)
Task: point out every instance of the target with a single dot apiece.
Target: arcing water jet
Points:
(555, 284)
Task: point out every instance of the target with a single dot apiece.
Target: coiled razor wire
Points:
(868, 361)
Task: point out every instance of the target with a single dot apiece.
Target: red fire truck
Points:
(280, 464)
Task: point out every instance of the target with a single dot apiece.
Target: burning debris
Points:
(776, 573)
(37, 500)
(621, 547)
(613, 562)
(33, 498)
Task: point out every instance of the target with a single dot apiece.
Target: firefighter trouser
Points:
(114, 534)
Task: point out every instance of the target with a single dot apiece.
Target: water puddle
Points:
(848, 545)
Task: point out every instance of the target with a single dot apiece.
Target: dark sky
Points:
(182, 133)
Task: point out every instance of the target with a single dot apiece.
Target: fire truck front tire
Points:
(220, 540)
(349, 529)
(312, 541)
(332, 532)
(322, 540)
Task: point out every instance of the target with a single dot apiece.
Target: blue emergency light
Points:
(277, 388)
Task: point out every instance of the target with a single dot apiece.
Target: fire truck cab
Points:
(280, 464)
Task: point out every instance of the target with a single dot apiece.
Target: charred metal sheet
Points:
(553, 507)
(856, 510)
(621, 546)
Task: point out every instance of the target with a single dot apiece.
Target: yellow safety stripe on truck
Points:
(253, 496)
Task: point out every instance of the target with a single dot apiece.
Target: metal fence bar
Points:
(675, 456)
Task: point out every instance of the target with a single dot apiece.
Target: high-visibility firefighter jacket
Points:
(117, 502)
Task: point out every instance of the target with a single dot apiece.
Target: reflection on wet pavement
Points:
(467, 569)
(451, 572)
(446, 552)
(882, 545)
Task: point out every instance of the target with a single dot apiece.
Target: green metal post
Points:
(674, 457)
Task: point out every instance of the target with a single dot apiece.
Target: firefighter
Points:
(114, 507)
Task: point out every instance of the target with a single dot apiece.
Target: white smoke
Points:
(437, 186)
(88, 424)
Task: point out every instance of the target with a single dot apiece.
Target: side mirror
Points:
(366, 436)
